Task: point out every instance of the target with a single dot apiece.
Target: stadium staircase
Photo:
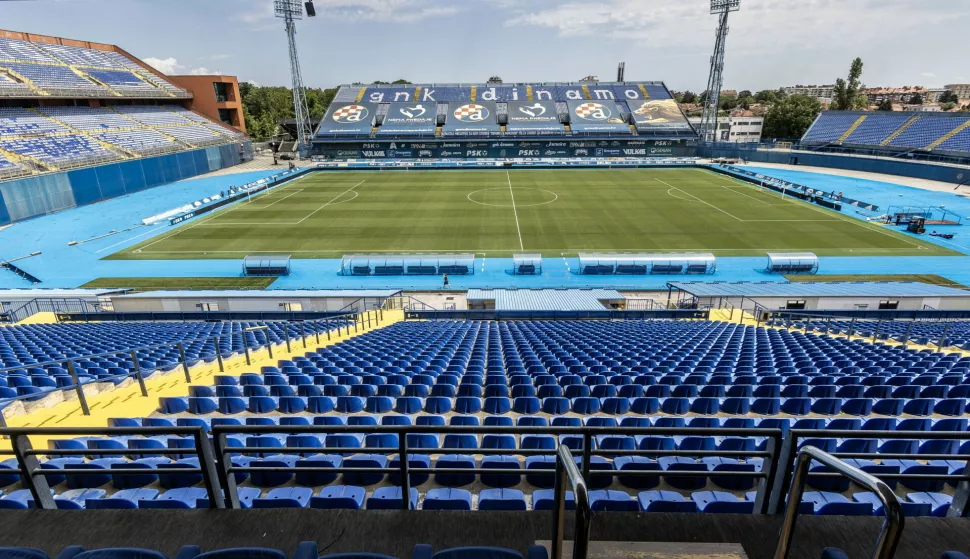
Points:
(33, 88)
(643, 90)
(474, 95)
(125, 400)
(528, 93)
(899, 131)
(125, 154)
(948, 135)
(360, 95)
(845, 135)
(586, 92)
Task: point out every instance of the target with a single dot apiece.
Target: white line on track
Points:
(516, 213)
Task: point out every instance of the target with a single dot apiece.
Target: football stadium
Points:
(473, 320)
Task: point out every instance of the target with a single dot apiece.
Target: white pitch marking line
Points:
(149, 232)
(295, 192)
(514, 212)
(330, 202)
(699, 200)
(745, 195)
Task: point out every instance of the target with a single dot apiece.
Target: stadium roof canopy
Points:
(546, 299)
(817, 289)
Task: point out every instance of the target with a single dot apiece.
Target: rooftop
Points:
(272, 294)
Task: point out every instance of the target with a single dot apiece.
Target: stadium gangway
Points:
(358, 321)
(892, 527)
(490, 314)
(227, 478)
(788, 460)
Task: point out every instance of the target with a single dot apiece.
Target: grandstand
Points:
(946, 133)
(443, 119)
(65, 107)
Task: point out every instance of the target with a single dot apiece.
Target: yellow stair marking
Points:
(30, 84)
(437, 132)
(949, 135)
(126, 400)
(851, 129)
(899, 131)
(586, 92)
(360, 95)
(22, 160)
(528, 93)
(417, 94)
(643, 90)
(474, 94)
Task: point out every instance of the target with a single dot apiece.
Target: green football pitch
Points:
(498, 213)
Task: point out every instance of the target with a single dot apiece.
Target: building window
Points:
(292, 307)
(888, 305)
(208, 306)
(795, 305)
(222, 94)
(225, 115)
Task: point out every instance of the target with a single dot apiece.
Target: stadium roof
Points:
(546, 299)
(277, 294)
(813, 289)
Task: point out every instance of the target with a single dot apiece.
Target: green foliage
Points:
(847, 92)
(790, 117)
(949, 97)
(745, 93)
(768, 96)
(727, 102)
(688, 97)
(948, 106)
(885, 105)
(915, 99)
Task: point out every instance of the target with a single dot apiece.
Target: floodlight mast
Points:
(715, 79)
(290, 11)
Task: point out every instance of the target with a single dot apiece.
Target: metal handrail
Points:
(892, 528)
(566, 470)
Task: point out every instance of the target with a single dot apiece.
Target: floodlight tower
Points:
(716, 78)
(290, 11)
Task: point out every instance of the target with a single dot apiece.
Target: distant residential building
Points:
(823, 93)
(730, 92)
(961, 89)
(902, 94)
(737, 128)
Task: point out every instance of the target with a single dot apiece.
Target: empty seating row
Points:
(306, 550)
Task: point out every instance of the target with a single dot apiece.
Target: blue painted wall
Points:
(32, 196)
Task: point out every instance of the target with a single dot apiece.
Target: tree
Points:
(495, 80)
(948, 106)
(885, 105)
(727, 102)
(688, 97)
(949, 97)
(745, 93)
(790, 117)
(915, 99)
(847, 96)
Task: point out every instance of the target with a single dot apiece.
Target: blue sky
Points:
(772, 42)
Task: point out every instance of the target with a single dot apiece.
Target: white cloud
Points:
(260, 12)
(163, 65)
(171, 66)
(761, 24)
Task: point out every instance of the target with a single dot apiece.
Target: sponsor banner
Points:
(470, 119)
(790, 187)
(536, 117)
(596, 116)
(348, 119)
(655, 114)
(409, 118)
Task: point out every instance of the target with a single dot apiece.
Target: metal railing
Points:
(674, 314)
(874, 324)
(227, 478)
(325, 327)
(892, 528)
(794, 443)
(566, 470)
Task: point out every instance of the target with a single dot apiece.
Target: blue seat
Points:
(500, 499)
(612, 501)
(284, 497)
(124, 499)
(543, 499)
(426, 552)
(910, 509)
(637, 463)
(448, 499)
(938, 503)
(390, 498)
(316, 479)
(665, 501)
(364, 461)
(827, 503)
(500, 462)
(180, 498)
(414, 461)
(339, 497)
(454, 461)
(721, 502)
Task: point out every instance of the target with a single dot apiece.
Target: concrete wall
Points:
(204, 97)
(843, 303)
(241, 303)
